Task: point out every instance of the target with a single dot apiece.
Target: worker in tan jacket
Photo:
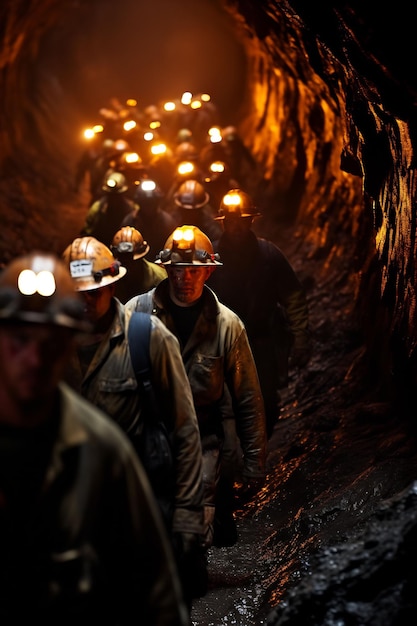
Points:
(218, 360)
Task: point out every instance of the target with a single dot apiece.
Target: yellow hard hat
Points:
(237, 203)
(188, 245)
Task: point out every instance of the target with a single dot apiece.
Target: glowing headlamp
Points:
(148, 185)
(217, 167)
(111, 183)
(185, 168)
(112, 270)
(30, 282)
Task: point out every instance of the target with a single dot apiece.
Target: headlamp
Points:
(232, 200)
(112, 270)
(124, 247)
(30, 282)
(183, 246)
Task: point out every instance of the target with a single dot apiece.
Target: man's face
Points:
(97, 302)
(32, 360)
(237, 227)
(186, 282)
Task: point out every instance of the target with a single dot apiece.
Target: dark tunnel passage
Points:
(325, 102)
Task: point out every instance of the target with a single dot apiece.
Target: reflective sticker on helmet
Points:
(81, 268)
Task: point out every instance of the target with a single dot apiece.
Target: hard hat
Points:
(115, 182)
(121, 145)
(128, 240)
(186, 150)
(191, 195)
(153, 112)
(188, 245)
(229, 133)
(92, 264)
(184, 135)
(107, 146)
(236, 203)
(147, 189)
(38, 288)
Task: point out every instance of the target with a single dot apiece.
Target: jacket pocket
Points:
(206, 376)
(117, 385)
(121, 400)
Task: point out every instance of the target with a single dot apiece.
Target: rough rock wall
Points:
(380, 110)
(37, 149)
(334, 106)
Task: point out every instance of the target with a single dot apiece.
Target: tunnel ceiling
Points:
(321, 93)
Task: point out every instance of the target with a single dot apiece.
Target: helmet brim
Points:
(190, 264)
(120, 190)
(87, 284)
(140, 255)
(193, 206)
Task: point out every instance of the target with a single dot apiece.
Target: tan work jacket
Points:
(218, 354)
(110, 384)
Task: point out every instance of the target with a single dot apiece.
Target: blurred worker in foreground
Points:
(259, 284)
(81, 538)
(129, 247)
(216, 354)
(102, 371)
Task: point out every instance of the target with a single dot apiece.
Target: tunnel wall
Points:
(336, 112)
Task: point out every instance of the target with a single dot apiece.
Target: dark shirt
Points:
(184, 319)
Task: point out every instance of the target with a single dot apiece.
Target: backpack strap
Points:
(139, 335)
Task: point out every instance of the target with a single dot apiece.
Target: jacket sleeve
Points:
(174, 393)
(243, 383)
(110, 507)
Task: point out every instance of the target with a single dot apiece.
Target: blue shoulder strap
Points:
(139, 333)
